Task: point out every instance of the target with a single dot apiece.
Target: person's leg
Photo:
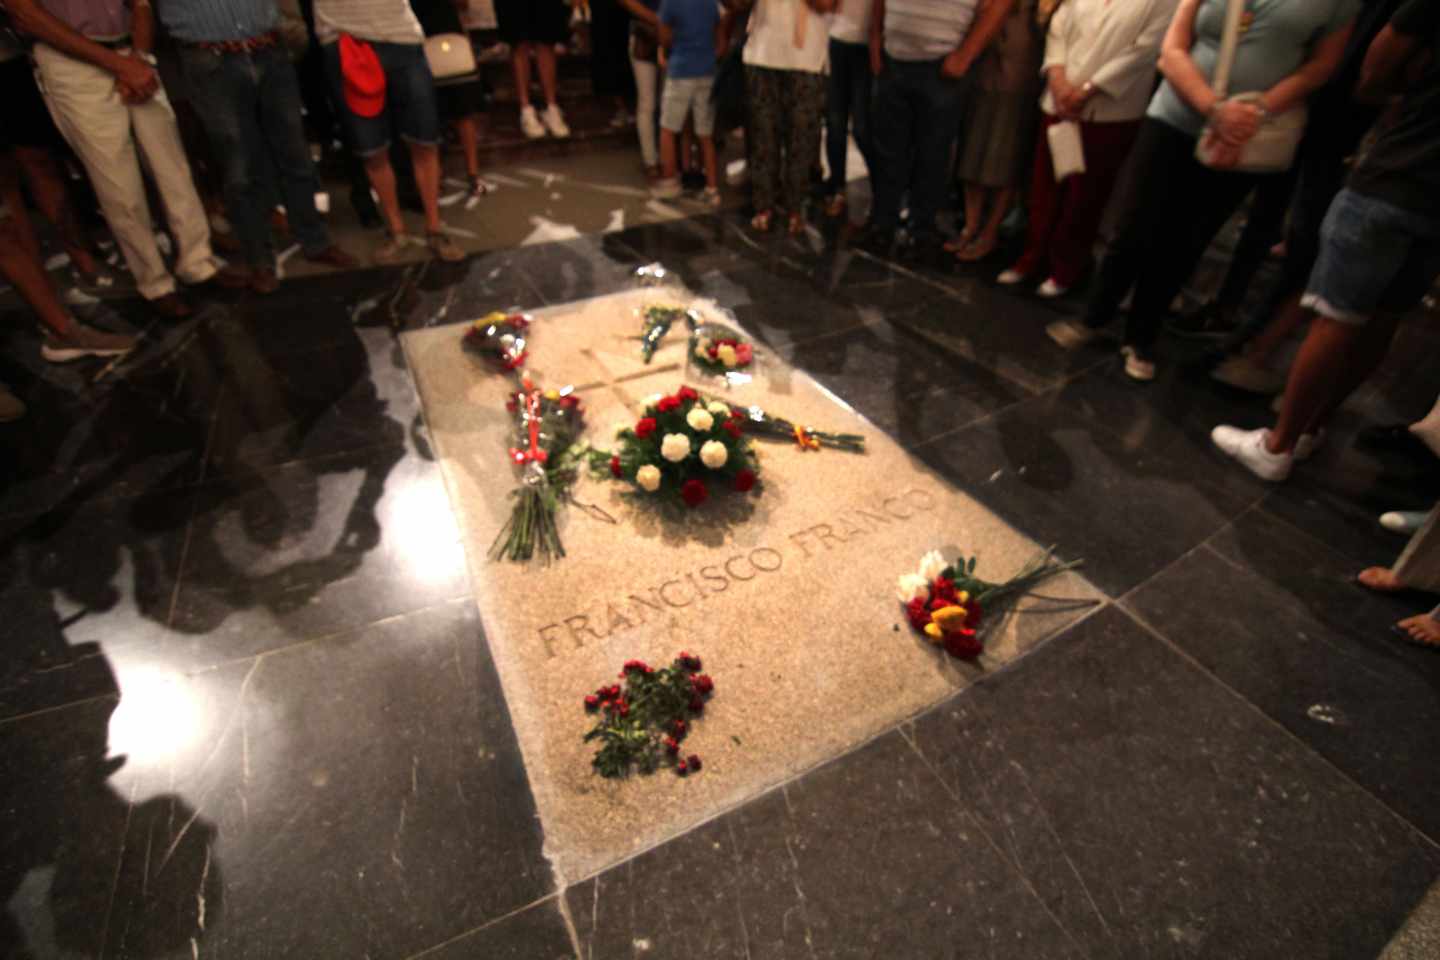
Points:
(545, 62)
(158, 138)
(47, 187)
(1047, 200)
(467, 131)
(227, 97)
(939, 122)
(426, 158)
(896, 118)
(1322, 366)
(1148, 205)
(837, 116)
(284, 131)
(669, 168)
(974, 195)
(1072, 243)
(647, 74)
(1263, 227)
(805, 104)
(382, 179)
(520, 62)
(862, 96)
(90, 115)
(763, 93)
(712, 163)
(1208, 199)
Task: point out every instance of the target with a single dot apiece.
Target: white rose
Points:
(621, 426)
(714, 454)
(675, 447)
(648, 477)
(911, 587)
(718, 408)
(653, 399)
(931, 564)
(699, 419)
(727, 356)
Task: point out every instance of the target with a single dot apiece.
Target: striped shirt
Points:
(216, 21)
(926, 29)
(379, 21)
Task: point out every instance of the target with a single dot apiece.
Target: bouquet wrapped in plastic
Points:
(758, 423)
(718, 350)
(547, 424)
(499, 339)
(657, 319)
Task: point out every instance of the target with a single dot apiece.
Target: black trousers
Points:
(1172, 208)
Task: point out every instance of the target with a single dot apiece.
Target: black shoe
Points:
(1210, 322)
(365, 209)
(692, 180)
(875, 240)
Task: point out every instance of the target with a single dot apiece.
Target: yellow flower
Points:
(950, 619)
(933, 631)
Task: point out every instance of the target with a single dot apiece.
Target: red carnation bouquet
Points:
(683, 448)
(642, 724)
(499, 339)
(544, 451)
(947, 602)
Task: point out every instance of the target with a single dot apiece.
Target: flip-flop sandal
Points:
(956, 244)
(762, 221)
(976, 251)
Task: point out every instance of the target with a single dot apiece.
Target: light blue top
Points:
(1280, 38)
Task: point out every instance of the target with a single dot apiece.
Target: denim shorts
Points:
(409, 99)
(683, 95)
(1375, 258)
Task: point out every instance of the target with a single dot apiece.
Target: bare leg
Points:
(382, 178)
(545, 59)
(1334, 359)
(1366, 359)
(1000, 200)
(1285, 322)
(974, 212)
(668, 167)
(48, 188)
(520, 60)
(468, 130)
(426, 160)
(712, 163)
(26, 273)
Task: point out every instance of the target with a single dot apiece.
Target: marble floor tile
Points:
(537, 932)
(1063, 478)
(1313, 651)
(1155, 813)
(358, 796)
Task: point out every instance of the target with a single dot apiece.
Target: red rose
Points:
(732, 427)
(964, 644)
(637, 666)
(672, 746)
(696, 704)
(645, 427)
(689, 662)
(703, 684)
(694, 761)
(688, 395)
(972, 620)
(939, 603)
(615, 470)
(592, 702)
(744, 480)
(694, 493)
(569, 401)
(744, 353)
(667, 404)
(624, 709)
(919, 613)
(680, 768)
(677, 730)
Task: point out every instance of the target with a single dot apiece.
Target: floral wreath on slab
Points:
(682, 447)
(640, 726)
(946, 601)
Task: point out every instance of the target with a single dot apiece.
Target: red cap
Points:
(363, 75)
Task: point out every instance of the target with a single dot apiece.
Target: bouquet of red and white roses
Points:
(683, 448)
(716, 349)
(946, 602)
(499, 339)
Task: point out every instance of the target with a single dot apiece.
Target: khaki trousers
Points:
(104, 132)
(1419, 564)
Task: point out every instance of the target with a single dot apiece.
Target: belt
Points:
(248, 45)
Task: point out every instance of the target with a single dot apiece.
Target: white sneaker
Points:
(1049, 290)
(1403, 521)
(530, 123)
(1071, 334)
(555, 122)
(1010, 278)
(1308, 443)
(666, 189)
(1248, 447)
(1137, 365)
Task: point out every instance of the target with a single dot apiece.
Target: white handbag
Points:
(450, 55)
(1273, 147)
(1067, 149)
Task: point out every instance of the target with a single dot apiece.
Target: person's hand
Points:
(954, 66)
(1235, 122)
(1221, 153)
(135, 79)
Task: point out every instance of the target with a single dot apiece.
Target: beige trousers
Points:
(1419, 564)
(104, 132)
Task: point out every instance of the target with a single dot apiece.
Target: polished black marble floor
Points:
(247, 708)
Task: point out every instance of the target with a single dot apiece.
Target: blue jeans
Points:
(851, 89)
(917, 115)
(250, 105)
(1375, 258)
(410, 104)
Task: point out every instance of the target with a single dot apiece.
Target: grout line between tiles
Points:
(484, 926)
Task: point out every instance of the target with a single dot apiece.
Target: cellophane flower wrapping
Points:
(499, 339)
(547, 425)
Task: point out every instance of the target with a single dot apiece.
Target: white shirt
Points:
(852, 21)
(379, 21)
(788, 35)
(1113, 44)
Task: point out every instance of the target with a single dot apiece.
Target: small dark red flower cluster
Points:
(644, 724)
(645, 428)
(667, 404)
(745, 481)
(615, 470)
(687, 395)
(693, 492)
(965, 644)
